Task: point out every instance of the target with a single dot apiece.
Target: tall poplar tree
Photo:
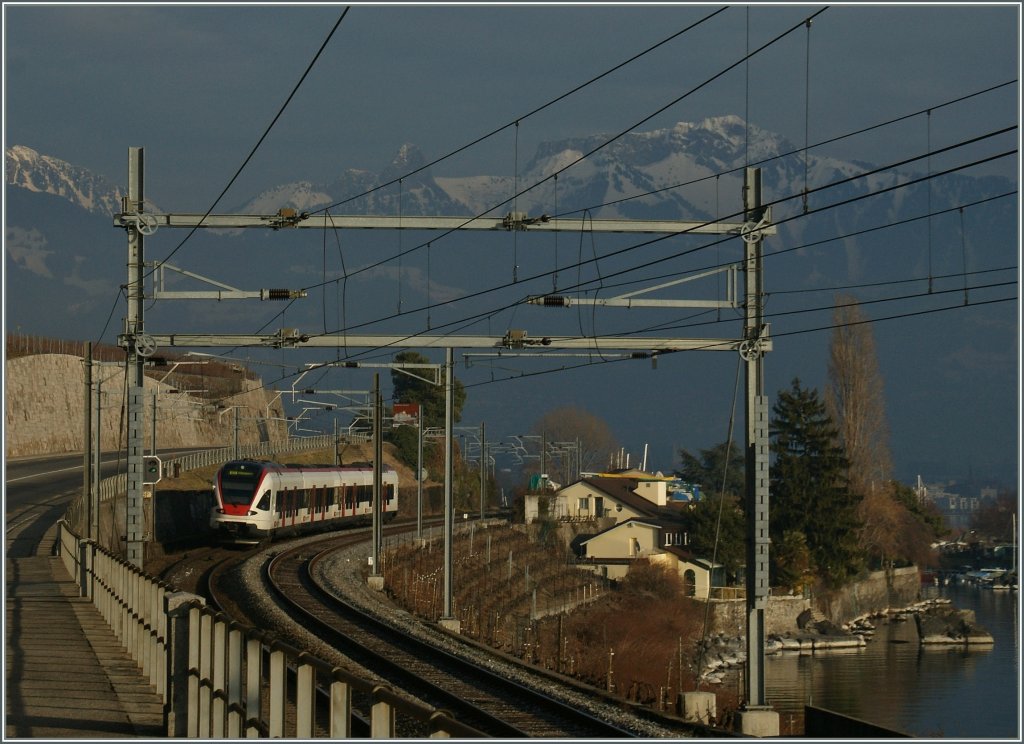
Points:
(893, 531)
(810, 492)
(855, 397)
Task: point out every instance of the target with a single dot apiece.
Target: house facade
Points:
(633, 517)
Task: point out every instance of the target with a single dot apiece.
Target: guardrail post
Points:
(219, 713)
(234, 682)
(341, 708)
(84, 576)
(437, 726)
(382, 717)
(194, 642)
(160, 642)
(278, 692)
(253, 683)
(205, 687)
(177, 609)
(305, 698)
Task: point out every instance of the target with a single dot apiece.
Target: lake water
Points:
(923, 691)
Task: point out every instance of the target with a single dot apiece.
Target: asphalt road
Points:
(37, 491)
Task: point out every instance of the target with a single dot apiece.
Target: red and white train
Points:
(258, 500)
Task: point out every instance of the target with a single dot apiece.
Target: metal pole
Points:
(135, 343)
(483, 468)
(756, 465)
(337, 454)
(419, 474)
(236, 433)
(448, 507)
(97, 448)
(377, 453)
(87, 444)
(152, 450)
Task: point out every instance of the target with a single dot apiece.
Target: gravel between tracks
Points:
(342, 573)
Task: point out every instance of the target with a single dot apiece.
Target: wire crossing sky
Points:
(876, 128)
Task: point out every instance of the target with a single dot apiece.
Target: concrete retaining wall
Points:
(45, 410)
(900, 587)
(879, 591)
(729, 616)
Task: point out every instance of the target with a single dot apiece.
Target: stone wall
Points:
(729, 616)
(900, 587)
(45, 410)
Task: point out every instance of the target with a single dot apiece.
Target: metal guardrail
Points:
(218, 678)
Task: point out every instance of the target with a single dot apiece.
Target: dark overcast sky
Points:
(197, 86)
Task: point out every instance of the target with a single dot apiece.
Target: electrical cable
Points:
(773, 203)
(796, 151)
(255, 147)
(782, 251)
(536, 110)
(711, 346)
(721, 507)
(601, 146)
(818, 188)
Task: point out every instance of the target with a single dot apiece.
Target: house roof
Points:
(686, 555)
(660, 524)
(621, 490)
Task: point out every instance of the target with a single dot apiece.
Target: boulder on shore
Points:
(946, 625)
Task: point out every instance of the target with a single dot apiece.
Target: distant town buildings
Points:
(958, 506)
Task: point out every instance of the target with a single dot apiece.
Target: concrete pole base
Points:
(376, 582)
(699, 707)
(451, 623)
(757, 722)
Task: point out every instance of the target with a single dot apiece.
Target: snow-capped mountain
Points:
(56, 234)
(30, 170)
(670, 173)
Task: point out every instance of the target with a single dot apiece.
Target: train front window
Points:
(238, 484)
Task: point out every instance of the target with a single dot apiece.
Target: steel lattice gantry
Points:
(755, 341)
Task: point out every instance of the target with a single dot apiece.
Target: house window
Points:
(583, 504)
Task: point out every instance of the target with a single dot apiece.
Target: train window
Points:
(237, 489)
(264, 501)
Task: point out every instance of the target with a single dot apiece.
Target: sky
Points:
(197, 86)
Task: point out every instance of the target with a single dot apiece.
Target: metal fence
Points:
(218, 678)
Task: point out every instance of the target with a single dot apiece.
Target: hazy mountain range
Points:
(60, 242)
(65, 263)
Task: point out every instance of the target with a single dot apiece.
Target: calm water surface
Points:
(925, 692)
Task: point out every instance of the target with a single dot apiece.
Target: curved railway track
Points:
(475, 696)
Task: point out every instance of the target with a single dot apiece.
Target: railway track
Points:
(475, 696)
(307, 612)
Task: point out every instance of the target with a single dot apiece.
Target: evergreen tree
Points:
(709, 469)
(409, 389)
(715, 523)
(809, 489)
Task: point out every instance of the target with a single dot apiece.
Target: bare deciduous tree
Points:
(855, 398)
(561, 428)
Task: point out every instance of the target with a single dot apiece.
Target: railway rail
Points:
(476, 696)
(486, 692)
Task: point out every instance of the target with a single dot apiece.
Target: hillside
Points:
(44, 409)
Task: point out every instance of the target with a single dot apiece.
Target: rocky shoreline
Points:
(937, 622)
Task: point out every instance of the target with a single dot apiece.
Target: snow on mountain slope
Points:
(28, 169)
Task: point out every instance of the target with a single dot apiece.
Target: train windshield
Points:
(238, 482)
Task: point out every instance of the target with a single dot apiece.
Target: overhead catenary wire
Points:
(465, 322)
(703, 247)
(533, 112)
(599, 147)
(830, 140)
(259, 142)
